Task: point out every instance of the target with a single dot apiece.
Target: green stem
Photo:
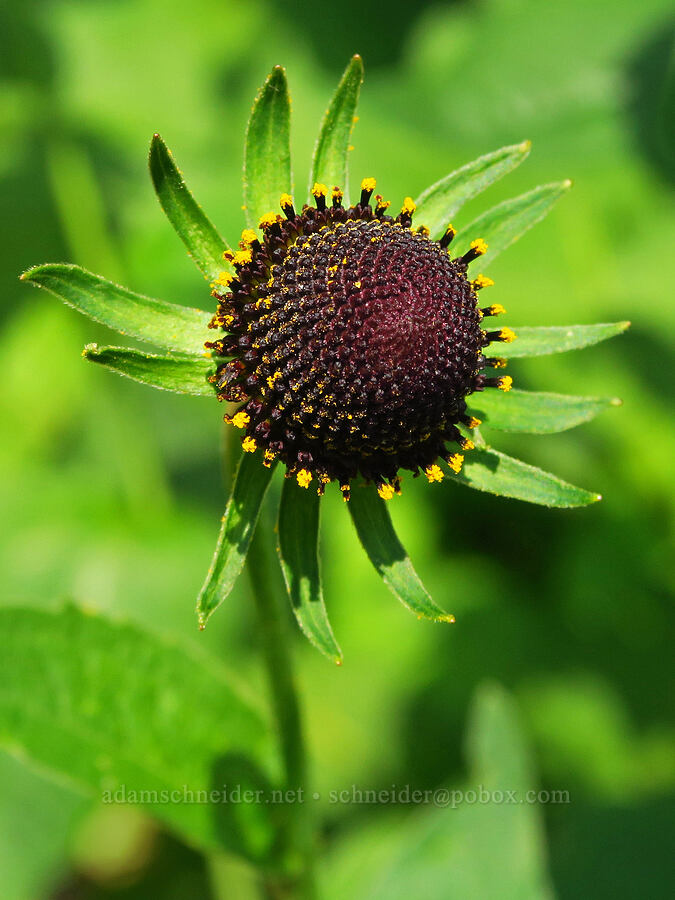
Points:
(270, 598)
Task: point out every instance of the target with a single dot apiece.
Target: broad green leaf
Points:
(128, 717)
(480, 839)
(376, 533)
(31, 803)
(181, 374)
(437, 205)
(203, 243)
(267, 155)
(541, 341)
(504, 224)
(331, 154)
(534, 412)
(166, 325)
(241, 514)
(298, 552)
(494, 472)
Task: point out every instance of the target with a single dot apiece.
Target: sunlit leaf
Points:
(128, 717)
(267, 157)
(181, 374)
(192, 226)
(298, 553)
(241, 514)
(496, 473)
(164, 324)
(541, 341)
(534, 412)
(331, 154)
(376, 533)
(437, 205)
(504, 224)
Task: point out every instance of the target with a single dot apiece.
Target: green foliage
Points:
(267, 159)
(241, 514)
(116, 712)
(480, 845)
(506, 223)
(299, 556)
(157, 322)
(534, 412)
(331, 153)
(488, 470)
(203, 243)
(378, 538)
(181, 374)
(541, 341)
(437, 205)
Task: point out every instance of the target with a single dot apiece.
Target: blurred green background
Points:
(111, 492)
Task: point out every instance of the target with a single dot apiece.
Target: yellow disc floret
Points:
(241, 419)
(434, 473)
(249, 444)
(304, 478)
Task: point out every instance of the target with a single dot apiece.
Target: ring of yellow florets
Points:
(351, 341)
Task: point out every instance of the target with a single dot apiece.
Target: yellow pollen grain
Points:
(268, 458)
(285, 200)
(434, 473)
(498, 362)
(368, 184)
(248, 235)
(268, 219)
(304, 478)
(474, 422)
(455, 462)
(451, 230)
(496, 309)
(382, 204)
(249, 445)
(505, 383)
(408, 206)
(482, 281)
(386, 491)
(357, 284)
(337, 193)
(507, 335)
(224, 278)
(271, 379)
(240, 419)
(242, 257)
(319, 190)
(479, 246)
(467, 444)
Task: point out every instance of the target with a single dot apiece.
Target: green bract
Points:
(183, 365)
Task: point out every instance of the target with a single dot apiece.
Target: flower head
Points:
(351, 341)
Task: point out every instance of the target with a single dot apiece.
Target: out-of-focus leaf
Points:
(536, 412)
(298, 553)
(376, 533)
(504, 224)
(128, 718)
(31, 803)
(439, 203)
(483, 838)
(166, 325)
(181, 374)
(331, 154)
(241, 514)
(496, 473)
(267, 156)
(189, 221)
(541, 341)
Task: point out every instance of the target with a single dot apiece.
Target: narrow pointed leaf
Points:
(298, 553)
(504, 224)
(121, 715)
(535, 412)
(331, 154)
(189, 221)
(376, 533)
(494, 472)
(164, 324)
(541, 341)
(181, 374)
(437, 205)
(241, 514)
(267, 156)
